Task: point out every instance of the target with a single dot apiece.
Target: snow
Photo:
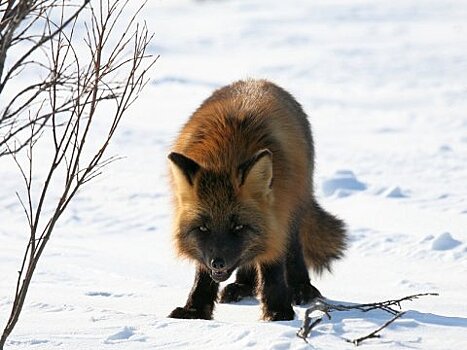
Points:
(384, 84)
(343, 183)
(445, 242)
(394, 192)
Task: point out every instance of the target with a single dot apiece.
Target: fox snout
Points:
(217, 264)
(220, 270)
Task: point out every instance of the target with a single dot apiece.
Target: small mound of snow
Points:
(123, 334)
(444, 242)
(343, 183)
(394, 192)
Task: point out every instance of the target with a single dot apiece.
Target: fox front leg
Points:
(297, 273)
(275, 294)
(203, 295)
(244, 286)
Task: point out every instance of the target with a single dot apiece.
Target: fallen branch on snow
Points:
(320, 304)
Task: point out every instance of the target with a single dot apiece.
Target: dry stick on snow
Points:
(320, 304)
(104, 78)
(374, 334)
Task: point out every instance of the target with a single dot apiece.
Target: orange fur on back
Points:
(233, 125)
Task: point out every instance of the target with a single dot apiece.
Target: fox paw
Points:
(235, 292)
(285, 314)
(188, 313)
(304, 293)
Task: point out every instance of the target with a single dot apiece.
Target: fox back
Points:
(252, 158)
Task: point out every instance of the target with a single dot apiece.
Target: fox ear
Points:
(256, 173)
(184, 169)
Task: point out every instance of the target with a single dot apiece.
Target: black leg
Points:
(275, 295)
(297, 273)
(203, 295)
(244, 286)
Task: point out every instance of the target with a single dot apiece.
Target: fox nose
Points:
(217, 264)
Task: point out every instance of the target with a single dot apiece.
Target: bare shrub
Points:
(62, 66)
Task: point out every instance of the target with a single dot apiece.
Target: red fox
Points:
(242, 176)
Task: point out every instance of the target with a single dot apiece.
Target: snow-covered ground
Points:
(385, 86)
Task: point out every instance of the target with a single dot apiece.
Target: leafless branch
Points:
(374, 334)
(109, 72)
(17, 29)
(326, 308)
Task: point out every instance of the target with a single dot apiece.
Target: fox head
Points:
(222, 216)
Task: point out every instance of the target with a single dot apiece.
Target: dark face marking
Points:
(225, 233)
(220, 245)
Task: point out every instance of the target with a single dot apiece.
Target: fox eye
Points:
(238, 228)
(203, 229)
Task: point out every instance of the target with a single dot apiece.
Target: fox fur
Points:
(242, 178)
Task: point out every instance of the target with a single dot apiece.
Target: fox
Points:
(241, 172)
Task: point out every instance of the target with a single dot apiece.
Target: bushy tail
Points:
(323, 237)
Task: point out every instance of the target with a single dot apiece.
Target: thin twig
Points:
(321, 305)
(357, 341)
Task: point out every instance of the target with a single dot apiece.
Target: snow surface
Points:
(385, 86)
(343, 183)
